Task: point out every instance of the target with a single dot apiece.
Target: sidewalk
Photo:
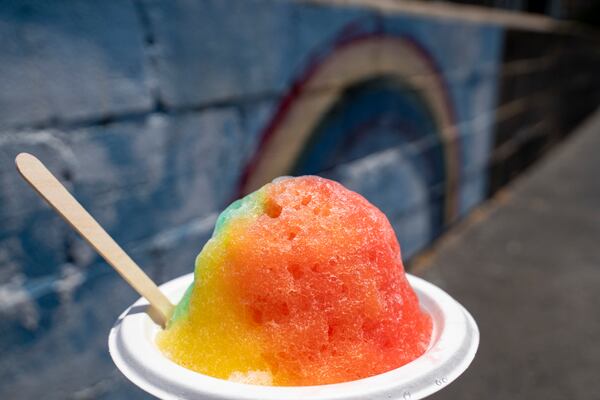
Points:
(527, 266)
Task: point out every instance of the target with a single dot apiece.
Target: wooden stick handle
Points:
(47, 186)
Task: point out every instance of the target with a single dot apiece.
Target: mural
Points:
(371, 92)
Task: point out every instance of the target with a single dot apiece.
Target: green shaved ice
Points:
(226, 215)
(247, 205)
(183, 306)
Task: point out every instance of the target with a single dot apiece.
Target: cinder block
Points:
(319, 33)
(174, 250)
(213, 51)
(31, 233)
(413, 230)
(386, 178)
(476, 143)
(70, 61)
(70, 349)
(139, 178)
(474, 104)
(473, 190)
(255, 118)
(457, 48)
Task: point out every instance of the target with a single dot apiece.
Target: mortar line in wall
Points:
(521, 136)
(139, 115)
(44, 285)
(516, 106)
(527, 65)
(513, 107)
(56, 123)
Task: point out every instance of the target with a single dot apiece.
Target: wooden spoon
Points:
(47, 186)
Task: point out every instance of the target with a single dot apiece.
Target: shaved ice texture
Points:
(301, 284)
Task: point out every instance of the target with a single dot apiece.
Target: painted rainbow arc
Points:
(287, 137)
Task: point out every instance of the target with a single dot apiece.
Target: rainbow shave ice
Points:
(301, 284)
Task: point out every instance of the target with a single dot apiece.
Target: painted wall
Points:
(157, 114)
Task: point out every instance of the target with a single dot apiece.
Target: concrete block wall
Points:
(157, 114)
(61, 62)
(548, 85)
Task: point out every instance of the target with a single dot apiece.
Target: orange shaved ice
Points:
(301, 284)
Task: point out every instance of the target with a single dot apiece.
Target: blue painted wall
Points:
(151, 111)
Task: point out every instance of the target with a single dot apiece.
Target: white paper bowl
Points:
(453, 345)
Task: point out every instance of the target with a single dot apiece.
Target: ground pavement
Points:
(527, 265)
